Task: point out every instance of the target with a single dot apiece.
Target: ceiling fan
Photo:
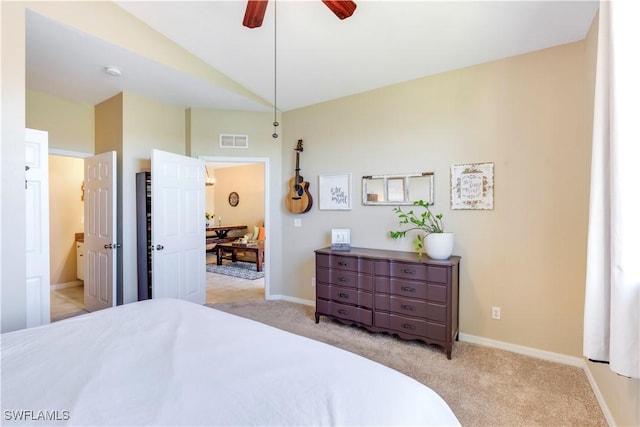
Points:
(254, 14)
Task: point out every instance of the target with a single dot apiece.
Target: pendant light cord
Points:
(275, 70)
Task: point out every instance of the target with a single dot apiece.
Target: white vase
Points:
(439, 245)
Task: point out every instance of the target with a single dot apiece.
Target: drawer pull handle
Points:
(341, 311)
(343, 279)
(405, 271)
(407, 289)
(343, 264)
(408, 307)
(408, 326)
(343, 295)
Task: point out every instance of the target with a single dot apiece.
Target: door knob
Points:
(108, 246)
(159, 247)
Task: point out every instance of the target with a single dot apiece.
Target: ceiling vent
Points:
(234, 141)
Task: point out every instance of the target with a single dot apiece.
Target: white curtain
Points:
(612, 303)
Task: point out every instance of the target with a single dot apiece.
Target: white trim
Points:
(603, 405)
(55, 287)
(578, 362)
(528, 351)
(292, 299)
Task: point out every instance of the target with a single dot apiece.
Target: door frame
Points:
(66, 153)
(267, 203)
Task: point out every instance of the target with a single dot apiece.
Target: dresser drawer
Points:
(345, 312)
(347, 263)
(415, 271)
(411, 307)
(347, 279)
(410, 325)
(344, 295)
(411, 289)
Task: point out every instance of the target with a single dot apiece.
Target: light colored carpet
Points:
(483, 386)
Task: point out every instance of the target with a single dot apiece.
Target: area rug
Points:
(244, 270)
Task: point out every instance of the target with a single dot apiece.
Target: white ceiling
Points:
(319, 57)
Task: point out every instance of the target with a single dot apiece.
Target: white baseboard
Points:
(67, 285)
(578, 362)
(292, 299)
(594, 386)
(528, 351)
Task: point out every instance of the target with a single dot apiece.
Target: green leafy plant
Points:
(426, 222)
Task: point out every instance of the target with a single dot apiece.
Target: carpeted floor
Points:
(483, 386)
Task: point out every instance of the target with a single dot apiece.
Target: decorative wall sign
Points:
(335, 192)
(472, 186)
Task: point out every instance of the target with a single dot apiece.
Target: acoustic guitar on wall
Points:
(298, 199)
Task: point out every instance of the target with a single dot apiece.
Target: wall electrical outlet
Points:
(297, 222)
(313, 282)
(495, 313)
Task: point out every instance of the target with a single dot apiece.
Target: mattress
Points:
(171, 362)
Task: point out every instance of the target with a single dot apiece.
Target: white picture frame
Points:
(472, 186)
(340, 239)
(334, 191)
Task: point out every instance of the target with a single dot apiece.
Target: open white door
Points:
(100, 244)
(178, 227)
(37, 222)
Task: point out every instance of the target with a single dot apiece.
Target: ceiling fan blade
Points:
(254, 14)
(342, 8)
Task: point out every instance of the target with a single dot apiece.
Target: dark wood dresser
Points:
(390, 291)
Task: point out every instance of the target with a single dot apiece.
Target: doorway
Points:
(239, 197)
(66, 231)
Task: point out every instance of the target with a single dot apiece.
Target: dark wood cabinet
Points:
(143, 224)
(390, 291)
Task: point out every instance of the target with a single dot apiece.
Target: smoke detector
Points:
(112, 70)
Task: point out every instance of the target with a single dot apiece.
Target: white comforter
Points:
(170, 362)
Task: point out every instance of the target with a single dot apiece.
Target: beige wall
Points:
(66, 211)
(248, 182)
(528, 115)
(70, 124)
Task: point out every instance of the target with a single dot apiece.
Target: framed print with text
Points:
(472, 186)
(335, 192)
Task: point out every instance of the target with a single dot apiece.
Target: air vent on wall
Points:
(234, 141)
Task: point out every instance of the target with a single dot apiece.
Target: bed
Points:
(171, 362)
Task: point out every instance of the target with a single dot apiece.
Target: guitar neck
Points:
(297, 164)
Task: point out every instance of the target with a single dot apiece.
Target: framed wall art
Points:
(472, 186)
(335, 192)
